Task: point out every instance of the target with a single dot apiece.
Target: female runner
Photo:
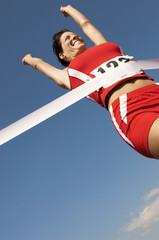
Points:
(131, 96)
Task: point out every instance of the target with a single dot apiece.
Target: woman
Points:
(128, 90)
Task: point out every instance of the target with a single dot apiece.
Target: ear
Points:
(61, 55)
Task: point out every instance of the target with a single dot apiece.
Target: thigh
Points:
(153, 139)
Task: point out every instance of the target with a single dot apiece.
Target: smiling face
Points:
(72, 46)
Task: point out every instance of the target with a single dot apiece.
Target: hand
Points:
(27, 60)
(64, 10)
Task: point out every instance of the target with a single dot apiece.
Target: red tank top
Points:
(89, 64)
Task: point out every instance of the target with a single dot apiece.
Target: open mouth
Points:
(75, 42)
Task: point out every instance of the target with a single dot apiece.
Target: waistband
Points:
(136, 92)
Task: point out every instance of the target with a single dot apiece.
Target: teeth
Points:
(75, 42)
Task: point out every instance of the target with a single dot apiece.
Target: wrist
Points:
(69, 8)
(35, 62)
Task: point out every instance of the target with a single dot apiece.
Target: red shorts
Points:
(133, 115)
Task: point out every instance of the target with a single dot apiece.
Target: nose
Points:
(75, 36)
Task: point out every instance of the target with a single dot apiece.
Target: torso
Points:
(102, 59)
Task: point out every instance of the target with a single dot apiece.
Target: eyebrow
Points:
(67, 36)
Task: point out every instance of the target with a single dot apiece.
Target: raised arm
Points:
(60, 77)
(84, 23)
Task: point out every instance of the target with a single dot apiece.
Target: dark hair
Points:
(57, 47)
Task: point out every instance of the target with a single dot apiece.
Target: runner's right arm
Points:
(60, 77)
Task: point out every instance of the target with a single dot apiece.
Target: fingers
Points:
(61, 8)
(64, 10)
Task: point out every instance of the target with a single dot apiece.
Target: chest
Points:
(94, 57)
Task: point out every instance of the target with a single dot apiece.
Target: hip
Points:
(133, 115)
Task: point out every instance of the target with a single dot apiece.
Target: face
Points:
(72, 46)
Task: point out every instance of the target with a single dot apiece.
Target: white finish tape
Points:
(149, 64)
(63, 102)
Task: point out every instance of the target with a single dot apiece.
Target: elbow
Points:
(85, 23)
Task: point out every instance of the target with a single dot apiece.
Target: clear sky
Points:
(72, 177)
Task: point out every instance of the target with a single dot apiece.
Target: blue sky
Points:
(72, 176)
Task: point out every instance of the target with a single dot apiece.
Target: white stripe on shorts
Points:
(118, 128)
(123, 107)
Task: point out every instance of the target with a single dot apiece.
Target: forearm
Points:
(38, 64)
(45, 68)
(84, 23)
(57, 75)
(77, 16)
